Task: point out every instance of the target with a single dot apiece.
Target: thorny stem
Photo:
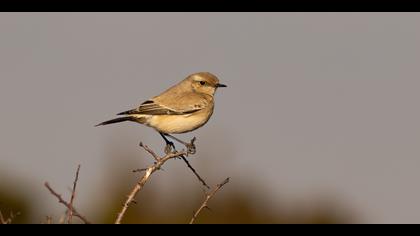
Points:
(207, 198)
(159, 161)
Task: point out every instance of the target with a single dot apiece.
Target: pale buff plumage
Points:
(182, 108)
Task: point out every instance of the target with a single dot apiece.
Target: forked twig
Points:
(71, 211)
(66, 204)
(207, 198)
(159, 161)
(9, 220)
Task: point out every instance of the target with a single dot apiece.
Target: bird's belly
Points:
(176, 124)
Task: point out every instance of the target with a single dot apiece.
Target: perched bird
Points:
(182, 108)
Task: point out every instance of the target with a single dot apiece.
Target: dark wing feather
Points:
(150, 108)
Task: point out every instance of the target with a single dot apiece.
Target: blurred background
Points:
(319, 123)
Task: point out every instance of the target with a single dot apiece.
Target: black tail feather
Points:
(117, 120)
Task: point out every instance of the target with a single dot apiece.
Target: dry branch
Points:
(66, 204)
(194, 171)
(159, 161)
(73, 194)
(190, 150)
(207, 198)
(71, 211)
(9, 220)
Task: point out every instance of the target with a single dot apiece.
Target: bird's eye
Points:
(202, 82)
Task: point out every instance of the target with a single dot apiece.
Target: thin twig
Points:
(195, 172)
(2, 220)
(66, 204)
(154, 155)
(190, 150)
(159, 161)
(73, 194)
(139, 170)
(206, 200)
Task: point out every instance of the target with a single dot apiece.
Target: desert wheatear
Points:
(182, 108)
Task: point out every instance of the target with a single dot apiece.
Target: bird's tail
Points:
(117, 120)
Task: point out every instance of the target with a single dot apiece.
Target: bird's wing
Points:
(153, 108)
(181, 105)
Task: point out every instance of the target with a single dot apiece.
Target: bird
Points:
(182, 108)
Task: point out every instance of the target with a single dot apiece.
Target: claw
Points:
(168, 148)
(191, 149)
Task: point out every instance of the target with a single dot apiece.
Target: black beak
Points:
(220, 86)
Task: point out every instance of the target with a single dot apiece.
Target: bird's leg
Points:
(190, 146)
(169, 144)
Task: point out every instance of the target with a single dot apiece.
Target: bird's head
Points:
(205, 82)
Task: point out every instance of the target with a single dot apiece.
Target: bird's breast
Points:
(180, 123)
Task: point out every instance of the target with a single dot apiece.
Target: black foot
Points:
(169, 147)
(191, 149)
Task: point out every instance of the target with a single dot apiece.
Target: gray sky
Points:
(317, 103)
